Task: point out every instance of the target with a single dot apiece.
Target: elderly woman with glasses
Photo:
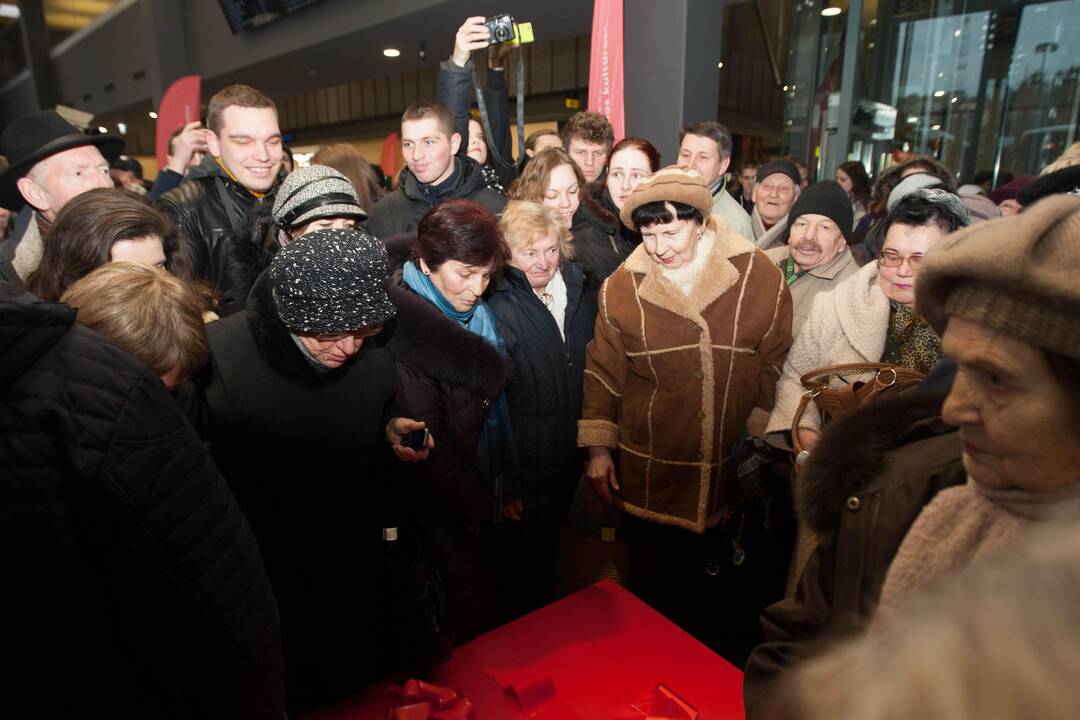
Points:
(870, 317)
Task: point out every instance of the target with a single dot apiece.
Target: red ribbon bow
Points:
(419, 700)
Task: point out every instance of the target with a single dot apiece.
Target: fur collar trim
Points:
(429, 342)
(717, 276)
(277, 347)
(851, 453)
(863, 312)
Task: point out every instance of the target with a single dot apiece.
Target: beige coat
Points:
(814, 282)
(848, 324)
(671, 380)
(729, 208)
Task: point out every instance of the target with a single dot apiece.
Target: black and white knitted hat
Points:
(314, 192)
(331, 281)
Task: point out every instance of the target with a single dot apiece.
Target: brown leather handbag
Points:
(837, 402)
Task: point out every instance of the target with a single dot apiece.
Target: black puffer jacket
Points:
(543, 391)
(601, 241)
(307, 457)
(208, 208)
(401, 210)
(130, 583)
(544, 384)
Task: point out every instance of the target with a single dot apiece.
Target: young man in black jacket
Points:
(434, 172)
(242, 166)
(130, 582)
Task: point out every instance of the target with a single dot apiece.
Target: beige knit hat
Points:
(1016, 274)
(669, 184)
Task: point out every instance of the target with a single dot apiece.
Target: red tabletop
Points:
(605, 651)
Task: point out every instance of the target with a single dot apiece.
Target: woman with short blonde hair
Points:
(524, 223)
(546, 316)
(147, 311)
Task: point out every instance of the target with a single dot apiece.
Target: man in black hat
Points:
(774, 193)
(816, 255)
(51, 162)
(243, 165)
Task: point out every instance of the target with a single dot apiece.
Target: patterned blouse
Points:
(911, 342)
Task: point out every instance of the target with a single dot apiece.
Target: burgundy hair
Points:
(461, 230)
(641, 144)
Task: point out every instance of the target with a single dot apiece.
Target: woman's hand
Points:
(513, 510)
(809, 438)
(472, 35)
(601, 473)
(397, 429)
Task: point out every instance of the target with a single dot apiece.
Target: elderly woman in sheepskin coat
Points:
(869, 317)
(690, 338)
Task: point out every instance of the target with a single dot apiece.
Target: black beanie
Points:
(780, 166)
(331, 281)
(829, 199)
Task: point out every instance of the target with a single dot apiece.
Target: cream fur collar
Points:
(863, 311)
(717, 275)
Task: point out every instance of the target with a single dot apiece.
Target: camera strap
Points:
(486, 122)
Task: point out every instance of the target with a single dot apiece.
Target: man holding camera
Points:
(455, 89)
(434, 172)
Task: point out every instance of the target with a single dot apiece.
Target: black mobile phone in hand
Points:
(417, 439)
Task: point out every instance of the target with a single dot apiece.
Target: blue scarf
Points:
(496, 455)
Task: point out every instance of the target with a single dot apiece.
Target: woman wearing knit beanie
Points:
(310, 198)
(299, 389)
(1006, 302)
(907, 496)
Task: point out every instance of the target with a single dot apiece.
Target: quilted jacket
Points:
(130, 583)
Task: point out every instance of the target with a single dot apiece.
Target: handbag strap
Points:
(811, 380)
(885, 376)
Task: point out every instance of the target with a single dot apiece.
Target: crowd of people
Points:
(271, 434)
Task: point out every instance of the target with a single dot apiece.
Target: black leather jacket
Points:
(208, 207)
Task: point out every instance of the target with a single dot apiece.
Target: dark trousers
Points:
(704, 584)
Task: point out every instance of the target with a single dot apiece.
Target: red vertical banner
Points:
(606, 64)
(179, 106)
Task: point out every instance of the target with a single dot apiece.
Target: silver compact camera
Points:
(502, 29)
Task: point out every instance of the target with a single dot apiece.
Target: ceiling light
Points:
(957, 33)
(830, 12)
(785, 88)
(153, 115)
(391, 52)
(953, 101)
(939, 93)
(912, 120)
(122, 127)
(935, 127)
(102, 129)
(720, 65)
(9, 11)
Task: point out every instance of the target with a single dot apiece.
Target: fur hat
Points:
(669, 184)
(1015, 274)
(331, 281)
(314, 192)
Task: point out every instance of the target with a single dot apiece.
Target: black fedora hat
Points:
(36, 136)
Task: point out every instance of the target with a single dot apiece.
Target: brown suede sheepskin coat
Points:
(672, 380)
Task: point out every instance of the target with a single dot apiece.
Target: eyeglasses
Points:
(891, 259)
